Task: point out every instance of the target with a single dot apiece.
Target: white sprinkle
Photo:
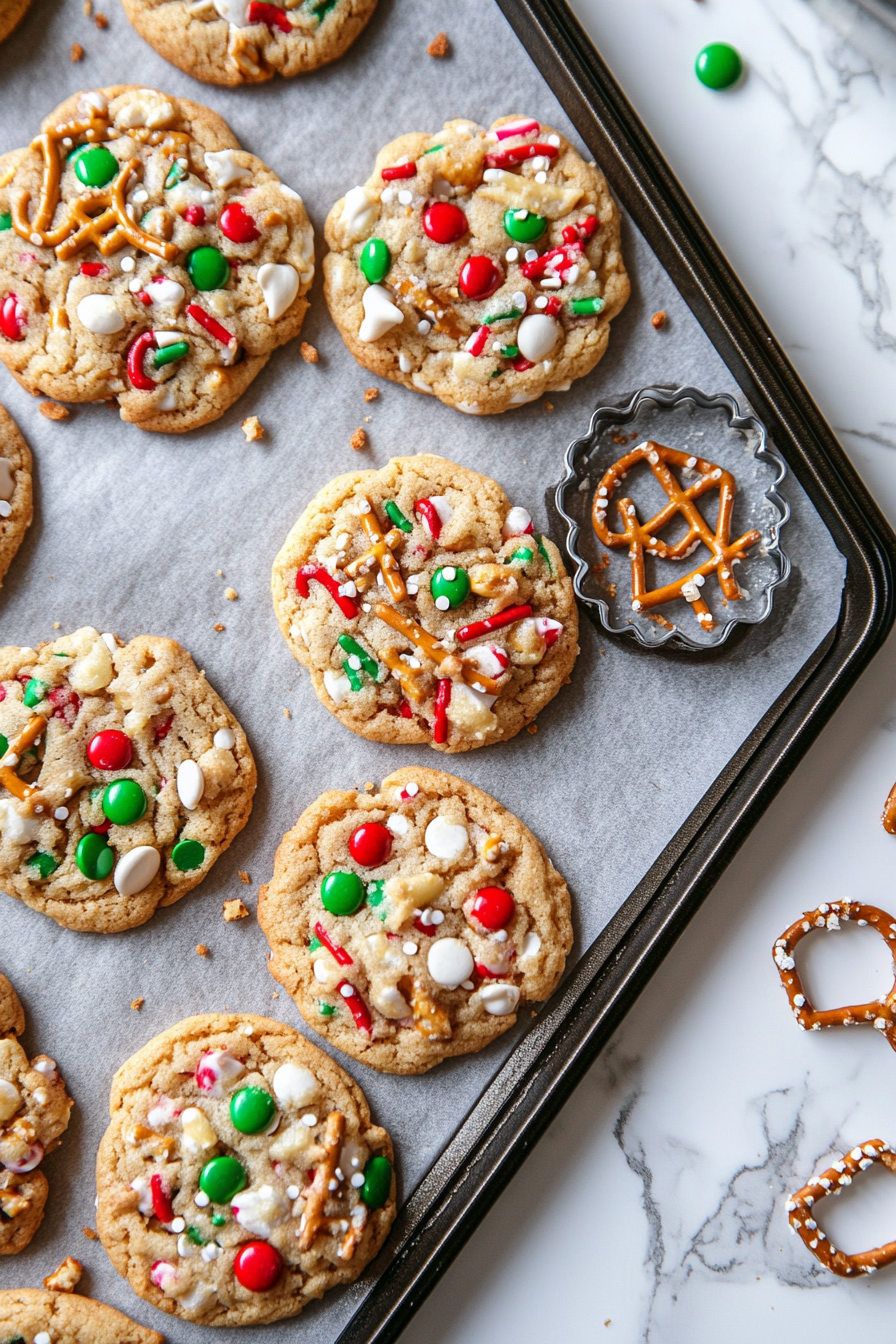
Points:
(36, 240)
(541, 177)
(177, 1225)
(311, 1119)
(127, 263)
(531, 254)
(292, 1192)
(436, 917)
(201, 1200)
(405, 197)
(210, 1252)
(443, 603)
(357, 1179)
(61, 813)
(333, 1185)
(424, 327)
(466, 984)
(347, 991)
(512, 254)
(410, 949)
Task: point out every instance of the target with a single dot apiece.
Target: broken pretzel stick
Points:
(33, 730)
(319, 1192)
(432, 649)
(380, 552)
(430, 1018)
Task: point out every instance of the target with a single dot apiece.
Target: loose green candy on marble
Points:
(207, 268)
(377, 1182)
(719, 65)
(124, 802)
(342, 893)
(34, 692)
(94, 857)
(95, 165)
(188, 854)
(44, 863)
(222, 1178)
(375, 260)
(524, 227)
(252, 1109)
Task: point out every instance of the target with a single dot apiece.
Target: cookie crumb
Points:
(533, 728)
(51, 409)
(201, 950)
(252, 428)
(100, 20)
(368, 787)
(90, 1234)
(219, 627)
(359, 440)
(367, 419)
(57, 625)
(608, 1322)
(137, 1004)
(231, 594)
(67, 1276)
(275, 995)
(243, 876)
(88, 7)
(234, 910)
(286, 714)
(438, 46)
(658, 320)
(308, 352)
(77, 52)
(548, 405)
(371, 394)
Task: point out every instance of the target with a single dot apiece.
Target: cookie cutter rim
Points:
(668, 398)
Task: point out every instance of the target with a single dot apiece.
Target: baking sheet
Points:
(130, 530)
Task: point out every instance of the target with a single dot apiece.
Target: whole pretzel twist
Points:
(834, 1180)
(641, 538)
(880, 1013)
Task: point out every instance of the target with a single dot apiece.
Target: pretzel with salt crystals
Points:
(801, 1211)
(33, 730)
(380, 552)
(319, 1193)
(880, 1013)
(433, 650)
(641, 537)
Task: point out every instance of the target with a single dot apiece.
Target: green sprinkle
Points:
(43, 862)
(4, 745)
(195, 1236)
(218, 1219)
(5, 221)
(95, 793)
(321, 8)
(176, 174)
(354, 678)
(354, 650)
(524, 555)
(376, 892)
(326, 1010)
(435, 149)
(397, 516)
(169, 353)
(542, 551)
(34, 692)
(314, 944)
(585, 307)
(497, 373)
(510, 316)
(509, 351)
(62, 655)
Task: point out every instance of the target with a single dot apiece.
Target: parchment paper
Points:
(130, 529)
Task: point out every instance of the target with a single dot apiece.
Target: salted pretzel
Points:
(31, 733)
(318, 1194)
(888, 816)
(641, 538)
(801, 1210)
(433, 649)
(380, 552)
(880, 1013)
(441, 315)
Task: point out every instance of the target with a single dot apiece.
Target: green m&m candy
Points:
(94, 857)
(95, 166)
(34, 692)
(188, 854)
(222, 1178)
(342, 893)
(207, 268)
(252, 1109)
(449, 587)
(5, 221)
(719, 65)
(4, 746)
(43, 863)
(375, 260)
(124, 802)
(524, 227)
(377, 1182)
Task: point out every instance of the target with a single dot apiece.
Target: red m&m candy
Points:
(13, 318)
(443, 222)
(194, 214)
(493, 907)
(479, 278)
(110, 750)
(257, 1266)
(237, 224)
(371, 844)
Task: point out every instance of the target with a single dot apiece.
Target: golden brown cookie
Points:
(425, 607)
(248, 41)
(410, 925)
(148, 259)
(34, 1111)
(124, 776)
(480, 267)
(36, 1316)
(241, 1176)
(16, 504)
(12, 12)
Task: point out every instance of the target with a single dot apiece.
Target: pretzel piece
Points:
(319, 1193)
(441, 315)
(801, 1211)
(641, 538)
(432, 649)
(888, 816)
(380, 552)
(880, 1013)
(430, 1018)
(409, 678)
(33, 730)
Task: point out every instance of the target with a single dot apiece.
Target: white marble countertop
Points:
(654, 1207)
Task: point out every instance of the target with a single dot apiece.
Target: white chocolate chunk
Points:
(294, 1085)
(260, 1211)
(380, 314)
(537, 336)
(10, 1100)
(224, 167)
(444, 839)
(92, 670)
(7, 478)
(499, 999)
(100, 314)
(198, 1134)
(358, 214)
(279, 283)
(19, 827)
(136, 870)
(450, 962)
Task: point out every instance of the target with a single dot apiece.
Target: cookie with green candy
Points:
(241, 1176)
(425, 606)
(123, 777)
(480, 267)
(16, 490)
(413, 924)
(34, 1113)
(42, 1316)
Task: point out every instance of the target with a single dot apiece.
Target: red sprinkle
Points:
(66, 703)
(552, 307)
(559, 259)
(101, 830)
(143, 297)
(344, 603)
(404, 710)
(338, 952)
(237, 224)
(444, 222)
(429, 929)
(505, 158)
(94, 268)
(443, 700)
(493, 623)
(257, 1264)
(162, 729)
(400, 170)
(13, 318)
(486, 974)
(477, 343)
(528, 126)
(428, 512)
(161, 1199)
(211, 326)
(194, 214)
(521, 364)
(138, 348)
(480, 277)
(2, 694)
(272, 15)
(357, 1006)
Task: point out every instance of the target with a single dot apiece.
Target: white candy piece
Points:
(99, 313)
(144, 1190)
(295, 1085)
(148, 109)
(10, 1100)
(499, 999)
(531, 945)
(234, 11)
(167, 294)
(388, 1000)
(190, 784)
(199, 1298)
(446, 841)
(93, 670)
(224, 739)
(449, 961)
(135, 871)
(358, 213)
(224, 167)
(216, 1071)
(537, 336)
(337, 685)
(198, 1134)
(517, 523)
(279, 284)
(7, 478)
(260, 1211)
(380, 314)
(16, 826)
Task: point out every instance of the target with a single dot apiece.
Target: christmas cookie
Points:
(248, 41)
(146, 258)
(12, 12)
(241, 1176)
(36, 1316)
(425, 607)
(123, 777)
(482, 267)
(16, 508)
(412, 924)
(34, 1109)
